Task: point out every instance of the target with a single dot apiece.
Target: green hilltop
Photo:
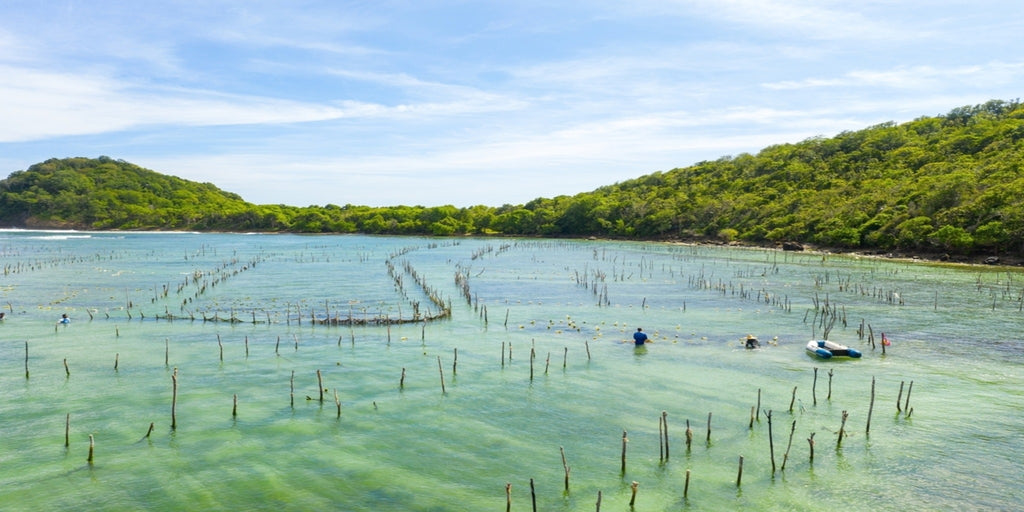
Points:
(945, 184)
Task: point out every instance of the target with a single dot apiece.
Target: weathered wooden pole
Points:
(586, 343)
(785, 456)
(67, 430)
(337, 402)
(632, 498)
(533, 496)
(292, 387)
(167, 352)
(503, 354)
(758, 415)
(441, 371)
(508, 497)
(174, 399)
(624, 441)
(150, 431)
(686, 485)
(664, 420)
(320, 384)
(771, 442)
(117, 356)
(221, 347)
(810, 442)
(598, 504)
(842, 430)
(67, 371)
(565, 467)
(455, 361)
(871, 407)
(401, 381)
(750, 426)
(792, 400)
(234, 405)
(689, 435)
(247, 338)
(565, 356)
(814, 388)
(92, 446)
(533, 355)
(709, 429)
(829, 384)
(906, 404)
(899, 397)
(26, 359)
(739, 473)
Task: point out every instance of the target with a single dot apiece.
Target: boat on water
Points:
(826, 349)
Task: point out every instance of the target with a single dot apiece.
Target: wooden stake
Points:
(624, 441)
(292, 385)
(565, 466)
(906, 404)
(829, 385)
(92, 445)
(771, 442)
(810, 442)
(67, 430)
(586, 343)
(26, 359)
(598, 504)
(337, 402)
(758, 415)
(67, 371)
(867, 428)
(116, 357)
(455, 361)
(503, 354)
(150, 431)
(632, 498)
(842, 429)
(441, 371)
(221, 346)
(709, 428)
(234, 405)
(686, 486)
(664, 420)
(814, 388)
(899, 397)
(320, 384)
(689, 435)
(174, 398)
(792, 400)
(401, 381)
(533, 496)
(785, 457)
(167, 352)
(508, 497)
(739, 473)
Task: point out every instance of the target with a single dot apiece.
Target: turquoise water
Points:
(138, 302)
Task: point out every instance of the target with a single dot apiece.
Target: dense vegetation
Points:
(950, 183)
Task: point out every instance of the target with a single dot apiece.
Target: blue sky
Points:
(458, 102)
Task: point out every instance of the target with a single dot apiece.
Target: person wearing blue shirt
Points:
(639, 337)
(64, 319)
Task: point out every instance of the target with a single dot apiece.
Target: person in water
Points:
(639, 338)
(64, 319)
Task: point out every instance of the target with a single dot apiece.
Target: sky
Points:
(431, 103)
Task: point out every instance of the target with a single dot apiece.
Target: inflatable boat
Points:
(828, 349)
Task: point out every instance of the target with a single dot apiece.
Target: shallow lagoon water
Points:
(406, 445)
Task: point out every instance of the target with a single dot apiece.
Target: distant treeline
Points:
(952, 183)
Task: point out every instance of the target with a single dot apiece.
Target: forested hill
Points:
(952, 183)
